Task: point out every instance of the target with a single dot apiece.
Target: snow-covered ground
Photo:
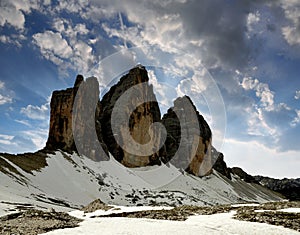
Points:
(72, 181)
(201, 224)
(290, 210)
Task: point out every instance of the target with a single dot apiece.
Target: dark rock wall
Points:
(185, 125)
(194, 156)
(63, 125)
(140, 120)
(60, 130)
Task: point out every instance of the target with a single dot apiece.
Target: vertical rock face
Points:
(80, 122)
(63, 124)
(60, 130)
(188, 138)
(86, 128)
(140, 119)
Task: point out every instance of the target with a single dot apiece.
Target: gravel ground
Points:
(32, 222)
(246, 213)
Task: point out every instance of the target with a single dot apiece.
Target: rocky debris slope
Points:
(290, 188)
(32, 222)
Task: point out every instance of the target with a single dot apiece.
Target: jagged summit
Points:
(141, 118)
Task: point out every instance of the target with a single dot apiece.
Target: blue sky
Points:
(246, 51)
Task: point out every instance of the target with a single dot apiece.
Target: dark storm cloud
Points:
(221, 25)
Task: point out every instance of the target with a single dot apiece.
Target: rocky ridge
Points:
(62, 119)
(290, 188)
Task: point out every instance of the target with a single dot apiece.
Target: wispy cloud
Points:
(297, 95)
(6, 139)
(4, 97)
(262, 91)
(24, 122)
(36, 112)
(291, 33)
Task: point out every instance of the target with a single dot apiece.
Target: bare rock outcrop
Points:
(63, 121)
(219, 163)
(188, 138)
(140, 120)
(80, 122)
(60, 130)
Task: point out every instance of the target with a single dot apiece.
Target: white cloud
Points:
(73, 6)
(164, 93)
(81, 29)
(11, 15)
(291, 33)
(262, 91)
(252, 19)
(249, 83)
(257, 159)
(258, 126)
(15, 39)
(24, 141)
(13, 12)
(83, 56)
(296, 120)
(4, 97)
(52, 43)
(59, 25)
(37, 136)
(6, 139)
(297, 95)
(67, 47)
(36, 112)
(24, 122)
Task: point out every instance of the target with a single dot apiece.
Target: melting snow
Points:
(201, 224)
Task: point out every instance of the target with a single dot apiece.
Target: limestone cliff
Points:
(140, 119)
(60, 130)
(77, 112)
(188, 138)
(63, 124)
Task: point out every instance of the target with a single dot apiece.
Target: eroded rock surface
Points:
(188, 143)
(68, 118)
(140, 119)
(188, 134)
